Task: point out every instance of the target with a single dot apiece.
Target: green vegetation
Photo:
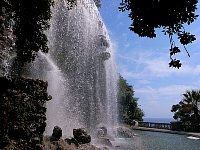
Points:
(187, 111)
(169, 15)
(30, 18)
(128, 103)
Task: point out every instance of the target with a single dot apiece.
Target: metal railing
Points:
(177, 126)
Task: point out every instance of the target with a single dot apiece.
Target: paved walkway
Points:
(167, 131)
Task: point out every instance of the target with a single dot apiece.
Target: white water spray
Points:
(80, 70)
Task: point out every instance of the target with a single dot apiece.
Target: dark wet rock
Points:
(57, 145)
(72, 141)
(81, 140)
(38, 147)
(57, 134)
(36, 140)
(81, 136)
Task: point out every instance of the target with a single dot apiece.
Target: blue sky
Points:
(143, 62)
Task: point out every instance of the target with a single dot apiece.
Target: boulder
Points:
(124, 132)
(81, 136)
(57, 134)
(56, 145)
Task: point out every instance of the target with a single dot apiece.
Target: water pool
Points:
(146, 140)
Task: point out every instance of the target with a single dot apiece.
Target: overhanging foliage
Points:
(30, 18)
(147, 15)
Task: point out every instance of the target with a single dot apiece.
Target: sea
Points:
(159, 120)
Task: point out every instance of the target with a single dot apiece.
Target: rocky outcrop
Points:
(57, 134)
(80, 141)
(63, 145)
(80, 137)
(22, 113)
(57, 145)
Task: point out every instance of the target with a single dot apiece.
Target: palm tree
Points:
(192, 99)
(188, 108)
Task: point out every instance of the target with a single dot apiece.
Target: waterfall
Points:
(112, 78)
(81, 48)
(80, 70)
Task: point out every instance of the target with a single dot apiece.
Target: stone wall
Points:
(22, 113)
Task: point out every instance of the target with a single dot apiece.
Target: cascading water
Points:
(112, 78)
(56, 87)
(80, 70)
(80, 47)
